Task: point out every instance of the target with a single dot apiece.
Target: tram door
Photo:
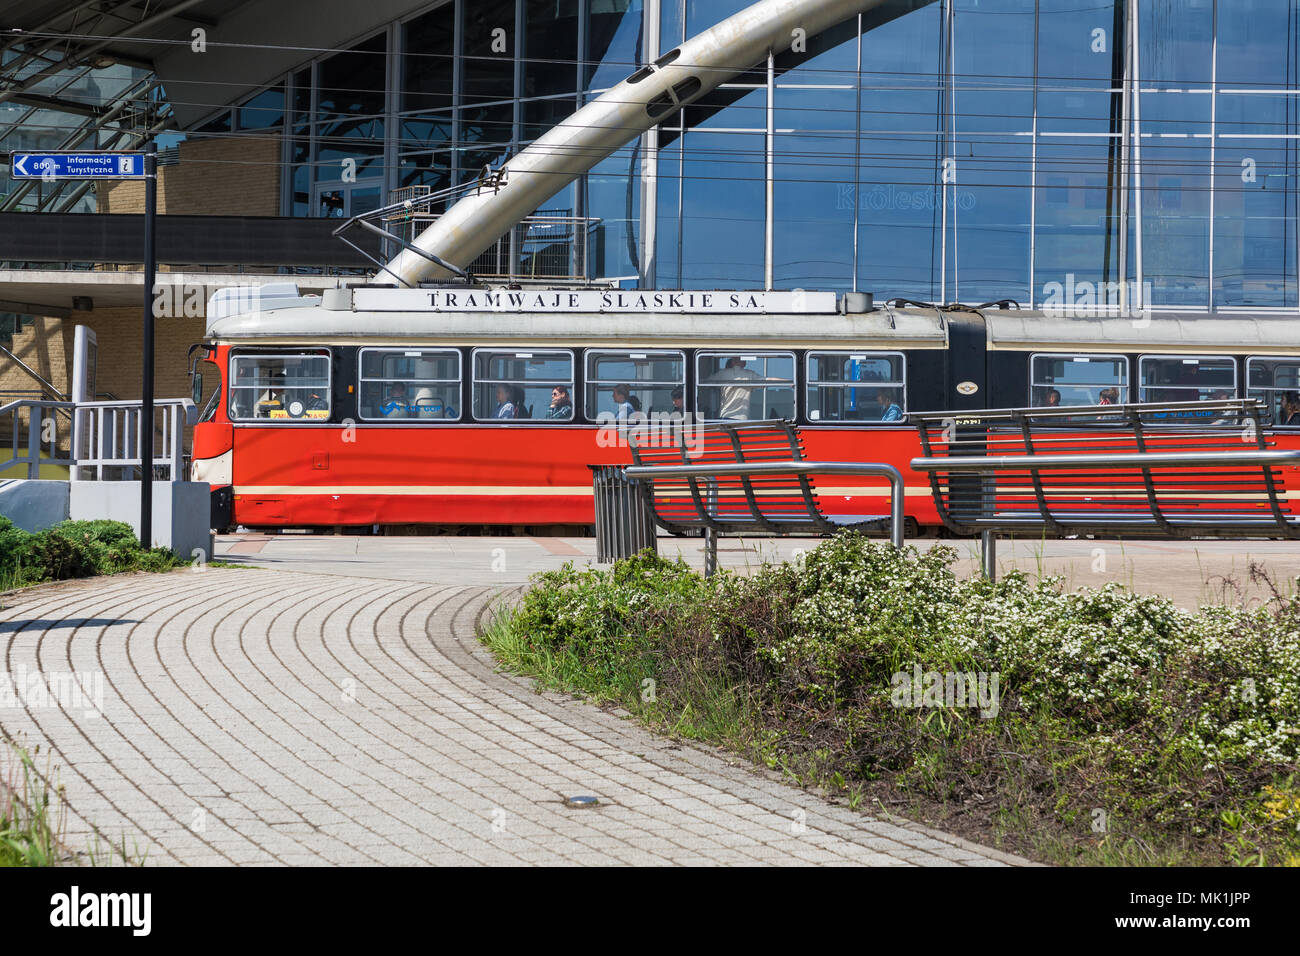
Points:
(967, 387)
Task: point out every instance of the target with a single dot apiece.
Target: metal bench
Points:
(1163, 470)
(744, 478)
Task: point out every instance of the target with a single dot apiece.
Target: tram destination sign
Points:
(722, 302)
(101, 165)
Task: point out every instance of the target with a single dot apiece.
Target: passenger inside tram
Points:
(1053, 398)
(1290, 409)
(397, 405)
(561, 404)
(507, 407)
(625, 403)
(889, 410)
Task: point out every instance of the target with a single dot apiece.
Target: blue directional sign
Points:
(76, 165)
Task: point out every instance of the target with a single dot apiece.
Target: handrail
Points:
(1101, 461)
(1074, 411)
(745, 469)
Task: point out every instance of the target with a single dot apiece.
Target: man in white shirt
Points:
(735, 398)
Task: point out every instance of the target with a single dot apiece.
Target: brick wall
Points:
(213, 178)
(121, 359)
(42, 346)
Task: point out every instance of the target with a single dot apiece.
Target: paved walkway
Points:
(275, 717)
(1188, 572)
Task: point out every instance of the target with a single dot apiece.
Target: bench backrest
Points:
(756, 503)
(1164, 497)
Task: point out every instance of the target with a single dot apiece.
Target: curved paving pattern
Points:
(272, 717)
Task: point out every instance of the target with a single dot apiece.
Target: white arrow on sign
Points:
(18, 166)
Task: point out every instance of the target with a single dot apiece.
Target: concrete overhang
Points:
(51, 292)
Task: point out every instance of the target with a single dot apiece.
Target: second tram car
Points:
(467, 407)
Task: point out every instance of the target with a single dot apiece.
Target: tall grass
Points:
(32, 819)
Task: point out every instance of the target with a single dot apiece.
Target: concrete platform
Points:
(1189, 572)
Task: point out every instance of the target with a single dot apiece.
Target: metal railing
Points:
(31, 431)
(96, 440)
(550, 244)
(106, 440)
(799, 468)
(1155, 469)
(623, 523)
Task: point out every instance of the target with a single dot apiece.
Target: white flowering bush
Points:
(1180, 724)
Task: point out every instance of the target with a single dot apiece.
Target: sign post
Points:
(146, 397)
(114, 165)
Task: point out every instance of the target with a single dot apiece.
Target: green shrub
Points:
(74, 549)
(1184, 726)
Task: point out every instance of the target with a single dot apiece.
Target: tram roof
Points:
(880, 329)
(296, 320)
(1160, 331)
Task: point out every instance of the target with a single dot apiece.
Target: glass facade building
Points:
(939, 150)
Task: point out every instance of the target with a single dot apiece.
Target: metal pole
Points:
(146, 392)
(989, 554)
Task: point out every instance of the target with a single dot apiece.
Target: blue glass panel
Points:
(1257, 42)
(550, 51)
(1254, 224)
(1176, 219)
(702, 14)
(1176, 42)
(813, 207)
(724, 205)
(1080, 62)
(993, 82)
(901, 60)
(613, 42)
(898, 212)
(614, 197)
(1076, 235)
(668, 259)
(988, 216)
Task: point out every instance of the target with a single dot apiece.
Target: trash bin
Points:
(623, 523)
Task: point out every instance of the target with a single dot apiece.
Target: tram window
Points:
(856, 386)
(1177, 378)
(1277, 382)
(1066, 380)
(744, 386)
(409, 384)
(644, 380)
(280, 388)
(207, 371)
(535, 384)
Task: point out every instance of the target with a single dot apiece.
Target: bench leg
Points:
(989, 555)
(710, 552)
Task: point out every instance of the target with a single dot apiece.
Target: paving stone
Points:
(318, 718)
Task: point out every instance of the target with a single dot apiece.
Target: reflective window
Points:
(351, 102)
(1277, 382)
(550, 55)
(1176, 378)
(512, 384)
(409, 384)
(856, 386)
(1061, 380)
(284, 388)
(613, 42)
(263, 111)
(622, 383)
(744, 386)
